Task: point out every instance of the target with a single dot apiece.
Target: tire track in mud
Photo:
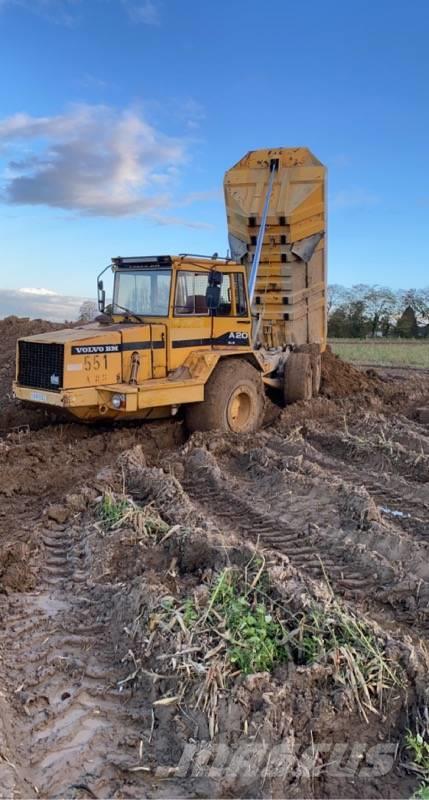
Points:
(401, 500)
(75, 731)
(315, 526)
(401, 494)
(401, 535)
(379, 456)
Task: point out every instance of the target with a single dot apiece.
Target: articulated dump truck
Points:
(203, 333)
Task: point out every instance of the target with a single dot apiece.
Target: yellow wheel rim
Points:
(239, 409)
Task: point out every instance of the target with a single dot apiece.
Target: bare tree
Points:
(88, 311)
(365, 310)
(380, 303)
(418, 300)
(338, 296)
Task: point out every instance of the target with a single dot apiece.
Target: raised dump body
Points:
(290, 292)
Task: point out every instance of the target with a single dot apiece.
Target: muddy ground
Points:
(116, 675)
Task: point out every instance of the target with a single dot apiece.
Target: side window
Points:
(224, 309)
(240, 295)
(191, 294)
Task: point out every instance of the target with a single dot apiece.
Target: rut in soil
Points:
(77, 727)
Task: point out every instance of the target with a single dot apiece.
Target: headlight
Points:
(118, 400)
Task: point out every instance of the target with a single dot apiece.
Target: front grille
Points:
(41, 365)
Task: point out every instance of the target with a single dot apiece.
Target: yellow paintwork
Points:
(90, 379)
(290, 294)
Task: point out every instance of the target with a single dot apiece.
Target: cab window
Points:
(142, 292)
(191, 294)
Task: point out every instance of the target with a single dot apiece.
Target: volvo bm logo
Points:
(94, 349)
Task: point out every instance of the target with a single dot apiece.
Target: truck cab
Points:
(175, 299)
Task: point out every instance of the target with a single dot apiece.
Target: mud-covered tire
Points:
(298, 378)
(316, 368)
(233, 400)
(316, 363)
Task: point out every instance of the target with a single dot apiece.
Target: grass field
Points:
(405, 353)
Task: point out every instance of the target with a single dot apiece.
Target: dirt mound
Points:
(13, 328)
(340, 379)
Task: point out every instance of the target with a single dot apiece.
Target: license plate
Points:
(39, 397)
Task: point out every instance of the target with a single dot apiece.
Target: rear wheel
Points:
(233, 400)
(298, 378)
(316, 367)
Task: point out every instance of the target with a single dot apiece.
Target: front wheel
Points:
(233, 400)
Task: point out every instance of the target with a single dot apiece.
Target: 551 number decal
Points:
(95, 362)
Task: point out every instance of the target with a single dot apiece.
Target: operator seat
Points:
(196, 304)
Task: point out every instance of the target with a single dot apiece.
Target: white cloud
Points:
(92, 159)
(60, 12)
(145, 11)
(355, 197)
(93, 82)
(71, 12)
(340, 160)
(38, 291)
(173, 220)
(39, 303)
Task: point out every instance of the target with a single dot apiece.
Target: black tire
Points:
(316, 363)
(298, 378)
(233, 400)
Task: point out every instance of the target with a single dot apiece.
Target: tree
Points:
(407, 327)
(375, 310)
(380, 304)
(349, 321)
(338, 323)
(359, 324)
(418, 301)
(337, 297)
(88, 311)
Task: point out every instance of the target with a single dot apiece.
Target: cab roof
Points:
(166, 262)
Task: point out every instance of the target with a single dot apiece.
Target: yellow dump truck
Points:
(203, 333)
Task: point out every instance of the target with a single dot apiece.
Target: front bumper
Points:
(97, 401)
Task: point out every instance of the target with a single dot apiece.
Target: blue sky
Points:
(118, 119)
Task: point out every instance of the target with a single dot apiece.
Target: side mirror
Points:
(101, 296)
(213, 297)
(213, 290)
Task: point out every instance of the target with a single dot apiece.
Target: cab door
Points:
(222, 315)
(231, 322)
(191, 326)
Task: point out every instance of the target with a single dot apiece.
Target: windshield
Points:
(146, 292)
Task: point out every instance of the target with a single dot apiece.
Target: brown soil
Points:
(333, 496)
(340, 379)
(11, 328)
